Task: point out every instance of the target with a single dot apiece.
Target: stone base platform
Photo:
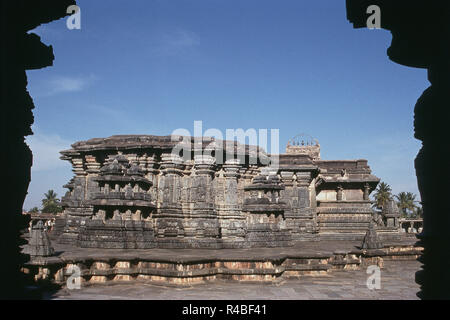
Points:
(186, 267)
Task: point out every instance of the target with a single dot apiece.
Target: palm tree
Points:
(406, 202)
(382, 195)
(419, 212)
(50, 204)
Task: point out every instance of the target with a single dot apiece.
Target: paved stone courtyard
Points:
(397, 282)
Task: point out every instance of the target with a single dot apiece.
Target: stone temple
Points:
(131, 191)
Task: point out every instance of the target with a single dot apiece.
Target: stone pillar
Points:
(201, 185)
(171, 169)
(299, 215)
(307, 203)
(202, 221)
(366, 192)
(169, 217)
(339, 193)
(149, 165)
(304, 200)
(431, 127)
(187, 202)
(289, 194)
(231, 220)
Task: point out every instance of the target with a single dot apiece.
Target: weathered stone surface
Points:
(371, 239)
(391, 214)
(191, 266)
(20, 50)
(136, 192)
(39, 243)
(397, 284)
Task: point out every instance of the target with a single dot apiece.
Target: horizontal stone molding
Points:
(273, 268)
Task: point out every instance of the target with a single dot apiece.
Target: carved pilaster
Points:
(149, 165)
(301, 216)
(303, 183)
(286, 195)
(170, 181)
(201, 186)
(366, 192)
(339, 193)
(231, 220)
(169, 217)
(231, 174)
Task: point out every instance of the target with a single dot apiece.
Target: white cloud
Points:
(46, 150)
(176, 42)
(48, 171)
(63, 84)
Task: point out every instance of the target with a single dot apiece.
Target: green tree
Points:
(34, 210)
(419, 212)
(382, 195)
(51, 204)
(406, 202)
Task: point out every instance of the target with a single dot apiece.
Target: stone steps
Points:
(269, 269)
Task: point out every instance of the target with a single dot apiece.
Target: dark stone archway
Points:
(19, 51)
(421, 39)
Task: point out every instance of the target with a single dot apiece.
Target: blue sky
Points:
(152, 66)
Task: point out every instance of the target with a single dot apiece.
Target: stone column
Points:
(290, 196)
(366, 192)
(286, 195)
(304, 200)
(303, 219)
(149, 165)
(201, 185)
(171, 169)
(169, 217)
(202, 221)
(339, 193)
(231, 219)
(432, 114)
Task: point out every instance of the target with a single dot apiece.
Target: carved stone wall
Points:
(134, 192)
